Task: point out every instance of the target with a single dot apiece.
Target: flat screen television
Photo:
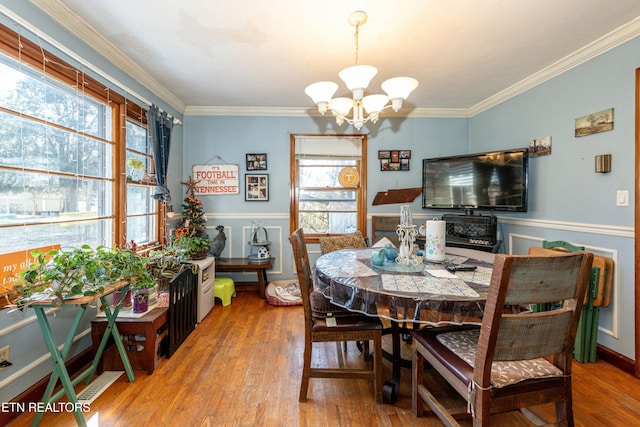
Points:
(492, 181)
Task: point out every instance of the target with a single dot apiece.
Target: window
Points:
(63, 154)
(328, 192)
(142, 209)
(55, 163)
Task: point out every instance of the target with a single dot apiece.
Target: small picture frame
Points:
(256, 161)
(256, 187)
(394, 160)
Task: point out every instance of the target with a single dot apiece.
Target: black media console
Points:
(472, 231)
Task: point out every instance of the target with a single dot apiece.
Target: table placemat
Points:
(481, 275)
(344, 267)
(427, 284)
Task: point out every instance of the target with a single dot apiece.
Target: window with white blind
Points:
(328, 184)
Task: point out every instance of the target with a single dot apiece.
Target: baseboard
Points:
(616, 359)
(34, 393)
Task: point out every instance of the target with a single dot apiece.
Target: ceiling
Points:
(222, 56)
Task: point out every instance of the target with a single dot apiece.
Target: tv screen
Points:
(483, 181)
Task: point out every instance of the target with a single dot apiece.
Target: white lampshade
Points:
(399, 87)
(321, 91)
(357, 78)
(374, 103)
(341, 105)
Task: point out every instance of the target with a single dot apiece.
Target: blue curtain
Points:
(159, 129)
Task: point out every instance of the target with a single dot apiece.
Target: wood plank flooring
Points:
(242, 365)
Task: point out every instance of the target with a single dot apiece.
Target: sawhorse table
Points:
(231, 265)
(58, 356)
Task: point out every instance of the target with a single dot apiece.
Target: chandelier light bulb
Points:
(398, 89)
(321, 93)
(342, 106)
(357, 78)
(374, 103)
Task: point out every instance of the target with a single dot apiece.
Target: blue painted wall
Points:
(567, 199)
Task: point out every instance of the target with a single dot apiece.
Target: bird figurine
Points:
(218, 242)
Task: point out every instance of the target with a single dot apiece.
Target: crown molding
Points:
(78, 27)
(313, 112)
(83, 31)
(605, 43)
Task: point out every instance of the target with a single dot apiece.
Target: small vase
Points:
(126, 302)
(141, 301)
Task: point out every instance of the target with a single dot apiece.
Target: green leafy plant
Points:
(193, 246)
(167, 262)
(84, 271)
(135, 163)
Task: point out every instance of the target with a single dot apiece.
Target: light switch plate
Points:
(622, 198)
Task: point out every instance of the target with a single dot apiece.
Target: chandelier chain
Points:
(356, 42)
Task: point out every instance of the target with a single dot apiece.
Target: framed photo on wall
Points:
(256, 187)
(256, 162)
(394, 160)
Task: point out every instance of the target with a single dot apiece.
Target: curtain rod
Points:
(27, 25)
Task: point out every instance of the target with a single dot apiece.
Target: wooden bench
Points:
(231, 265)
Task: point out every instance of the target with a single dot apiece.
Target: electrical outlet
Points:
(4, 354)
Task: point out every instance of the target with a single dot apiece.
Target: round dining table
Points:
(409, 295)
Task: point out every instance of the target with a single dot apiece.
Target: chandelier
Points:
(357, 79)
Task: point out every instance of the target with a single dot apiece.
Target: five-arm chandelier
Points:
(357, 79)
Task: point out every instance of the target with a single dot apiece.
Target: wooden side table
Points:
(142, 338)
(243, 264)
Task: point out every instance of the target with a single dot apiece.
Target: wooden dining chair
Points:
(333, 329)
(335, 243)
(517, 358)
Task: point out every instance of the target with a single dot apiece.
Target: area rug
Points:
(283, 292)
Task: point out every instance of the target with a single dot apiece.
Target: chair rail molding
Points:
(259, 216)
(606, 229)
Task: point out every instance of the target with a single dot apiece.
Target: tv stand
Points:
(470, 231)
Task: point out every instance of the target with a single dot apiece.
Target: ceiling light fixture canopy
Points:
(357, 78)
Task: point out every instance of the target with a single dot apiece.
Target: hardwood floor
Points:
(242, 367)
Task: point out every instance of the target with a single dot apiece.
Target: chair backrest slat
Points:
(542, 279)
(524, 337)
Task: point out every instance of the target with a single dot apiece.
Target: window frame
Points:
(33, 56)
(294, 179)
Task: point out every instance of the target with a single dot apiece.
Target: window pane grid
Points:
(323, 205)
(141, 207)
(56, 163)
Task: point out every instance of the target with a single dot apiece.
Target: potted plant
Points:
(134, 164)
(195, 247)
(64, 274)
(165, 264)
